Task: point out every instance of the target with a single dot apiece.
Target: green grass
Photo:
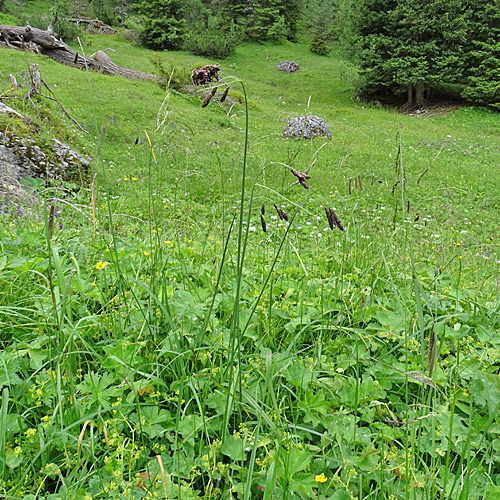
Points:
(183, 353)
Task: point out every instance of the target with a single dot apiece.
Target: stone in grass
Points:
(288, 66)
(307, 127)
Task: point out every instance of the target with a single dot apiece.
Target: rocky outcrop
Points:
(23, 157)
(307, 127)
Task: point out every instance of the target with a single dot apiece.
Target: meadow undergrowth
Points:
(176, 346)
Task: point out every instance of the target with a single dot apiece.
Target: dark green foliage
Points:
(266, 22)
(414, 50)
(320, 21)
(319, 44)
(164, 26)
(216, 41)
(483, 61)
(68, 31)
(410, 47)
(215, 27)
(176, 77)
(103, 9)
(272, 20)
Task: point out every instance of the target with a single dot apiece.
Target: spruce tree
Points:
(164, 25)
(483, 54)
(411, 47)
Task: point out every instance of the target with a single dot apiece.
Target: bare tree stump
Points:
(36, 80)
(13, 82)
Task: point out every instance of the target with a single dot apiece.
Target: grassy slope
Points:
(335, 299)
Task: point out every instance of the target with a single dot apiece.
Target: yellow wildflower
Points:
(321, 478)
(146, 253)
(101, 265)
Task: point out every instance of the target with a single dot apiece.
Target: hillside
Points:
(163, 345)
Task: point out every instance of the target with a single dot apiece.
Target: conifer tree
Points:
(164, 24)
(483, 54)
(411, 47)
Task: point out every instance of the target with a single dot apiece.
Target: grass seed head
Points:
(51, 220)
(282, 215)
(208, 97)
(224, 95)
(336, 220)
(263, 209)
(331, 223)
(263, 224)
(300, 175)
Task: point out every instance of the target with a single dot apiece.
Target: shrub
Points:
(319, 44)
(214, 41)
(68, 30)
(178, 76)
(163, 25)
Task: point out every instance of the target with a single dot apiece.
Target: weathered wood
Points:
(13, 82)
(36, 80)
(43, 42)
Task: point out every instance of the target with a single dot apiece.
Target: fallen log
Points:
(39, 41)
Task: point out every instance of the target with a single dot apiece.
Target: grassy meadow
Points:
(164, 346)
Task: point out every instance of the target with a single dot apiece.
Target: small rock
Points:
(307, 127)
(288, 66)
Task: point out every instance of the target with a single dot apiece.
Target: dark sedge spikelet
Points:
(359, 183)
(224, 95)
(336, 220)
(208, 97)
(304, 183)
(282, 215)
(329, 217)
(263, 224)
(300, 175)
(263, 209)
(431, 358)
(350, 186)
(51, 220)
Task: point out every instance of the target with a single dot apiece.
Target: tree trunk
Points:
(43, 42)
(2, 6)
(410, 94)
(419, 93)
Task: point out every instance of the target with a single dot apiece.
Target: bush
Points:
(68, 31)
(132, 27)
(162, 24)
(163, 34)
(319, 44)
(214, 41)
(178, 76)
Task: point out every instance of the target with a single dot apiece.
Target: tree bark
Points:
(410, 94)
(39, 41)
(419, 93)
(2, 6)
